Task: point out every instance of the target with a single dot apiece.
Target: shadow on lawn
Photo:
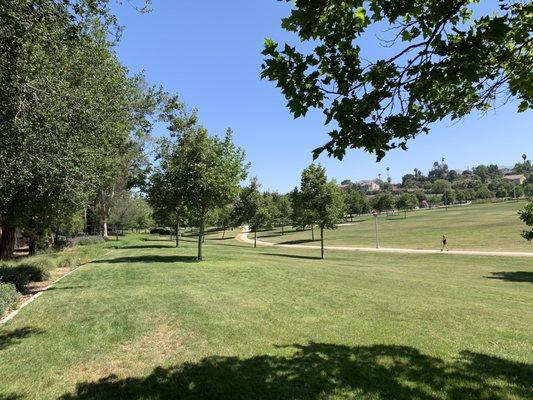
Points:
(515, 276)
(293, 256)
(149, 258)
(147, 246)
(12, 337)
(317, 371)
(300, 241)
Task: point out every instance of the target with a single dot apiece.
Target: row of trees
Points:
(72, 118)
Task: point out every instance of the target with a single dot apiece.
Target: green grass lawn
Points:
(148, 322)
(475, 227)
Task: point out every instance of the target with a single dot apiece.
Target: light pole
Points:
(375, 213)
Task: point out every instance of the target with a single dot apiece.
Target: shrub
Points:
(86, 240)
(161, 231)
(9, 297)
(67, 262)
(24, 272)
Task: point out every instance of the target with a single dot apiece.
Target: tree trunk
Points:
(200, 238)
(7, 243)
(177, 234)
(32, 246)
(313, 233)
(105, 234)
(255, 238)
(322, 243)
(282, 230)
(224, 233)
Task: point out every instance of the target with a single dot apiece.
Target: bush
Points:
(9, 297)
(86, 240)
(161, 231)
(24, 272)
(67, 262)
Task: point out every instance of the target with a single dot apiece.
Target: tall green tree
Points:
(324, 198)
(65, 109)
(204, 170)
(445, 59)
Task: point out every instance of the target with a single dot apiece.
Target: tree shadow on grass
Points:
(156, 240)
(147, 246)
(10, 397)
(293, 256)
(514, 276)
(318, 371)
(12, 337)
(148, 258)
(300, 241)
(66, 288)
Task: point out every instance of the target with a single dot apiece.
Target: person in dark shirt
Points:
(444, 243)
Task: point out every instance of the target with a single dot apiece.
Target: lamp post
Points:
(375, 213)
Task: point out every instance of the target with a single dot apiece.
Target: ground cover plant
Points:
(147, 321)
(472, 227)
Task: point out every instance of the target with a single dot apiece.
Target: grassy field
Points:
(475, 227)
(146, 321)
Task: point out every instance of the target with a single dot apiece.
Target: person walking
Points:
(444, 243)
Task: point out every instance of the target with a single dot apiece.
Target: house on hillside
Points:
(369, 186)
(516, 179)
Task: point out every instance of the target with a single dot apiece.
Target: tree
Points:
(205, 169)
(302, 214)
(440, 186)
(166, 199)
(445, 59)
(439, 171)
(406, 201)
(501, 191)
(356, 202)
(284, 210)
(324, 198)
(449, 196)
(254, 208)
(526, 215)
(383, 202)
(66, 107)
(483, 193)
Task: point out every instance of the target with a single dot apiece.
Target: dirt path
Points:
(243, 238)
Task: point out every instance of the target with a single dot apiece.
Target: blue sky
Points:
(209, 52)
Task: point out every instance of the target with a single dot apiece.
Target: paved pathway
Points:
(243, 238)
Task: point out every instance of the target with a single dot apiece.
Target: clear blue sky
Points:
(209, 52)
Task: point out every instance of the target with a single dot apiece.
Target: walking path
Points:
(243, 238)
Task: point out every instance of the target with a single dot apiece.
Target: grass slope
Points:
(477, 227)
(147, 322)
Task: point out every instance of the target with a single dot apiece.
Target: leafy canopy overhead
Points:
(443, 59)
